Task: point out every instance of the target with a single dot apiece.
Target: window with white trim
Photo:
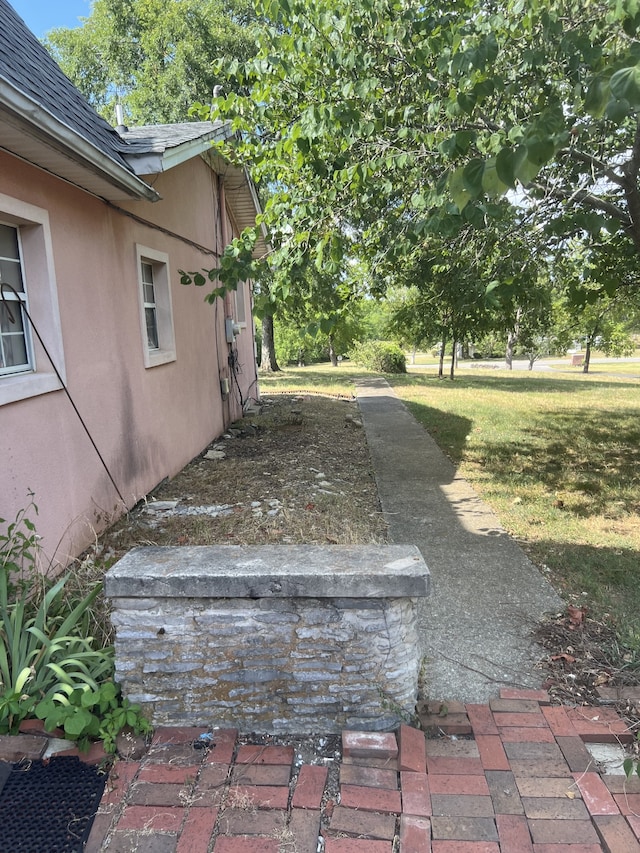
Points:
(156, 314)
(28, 274)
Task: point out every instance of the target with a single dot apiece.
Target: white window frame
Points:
(41, 299)
(241, 303)
(166, 349)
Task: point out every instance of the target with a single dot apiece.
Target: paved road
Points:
(487, 595)
(545, 365)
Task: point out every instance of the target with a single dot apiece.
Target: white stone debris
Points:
(161, 506)
(215, 455)
(164, 509)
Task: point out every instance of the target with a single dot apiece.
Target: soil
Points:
(296, 471)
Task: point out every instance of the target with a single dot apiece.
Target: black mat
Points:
(48, 807)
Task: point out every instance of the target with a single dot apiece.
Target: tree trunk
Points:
(511, 342)
(512, 339)
(333, 355)
(269, 363)
(587, 356)
(441, 361)
(453, 360)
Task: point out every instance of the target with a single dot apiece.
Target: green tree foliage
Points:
(601, 288)
(389, 117)
(323, 313)
(156, 57)
(455, 290)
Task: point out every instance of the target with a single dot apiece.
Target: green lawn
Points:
(557, 456)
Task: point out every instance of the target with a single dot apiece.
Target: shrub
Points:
(380, 356)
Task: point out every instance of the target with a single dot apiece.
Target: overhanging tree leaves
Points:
(416, 117)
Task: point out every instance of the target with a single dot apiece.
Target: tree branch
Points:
(589, 200)
(594, 163)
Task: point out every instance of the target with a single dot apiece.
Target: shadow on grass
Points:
(608, 576)
(449, 431)
(595, 455)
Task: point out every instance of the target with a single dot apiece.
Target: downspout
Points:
(224, 230)
(228, 298)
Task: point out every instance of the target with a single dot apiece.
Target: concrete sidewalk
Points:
(487, 596)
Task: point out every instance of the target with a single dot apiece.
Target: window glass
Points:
(152, 328)
(14, 349)
(27, 264)
(8, 242)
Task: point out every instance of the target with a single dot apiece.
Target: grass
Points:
(321, 379)
(556, 455)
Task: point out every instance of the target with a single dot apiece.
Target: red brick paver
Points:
(523, 782)
(310, 787)
(413, 754)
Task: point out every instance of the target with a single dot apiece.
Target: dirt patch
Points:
(586, 665)
(297, 471)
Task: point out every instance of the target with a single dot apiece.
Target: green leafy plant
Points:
(380, 356)
(50, 666)
(18, 547)
(41, 655)
(85, 714)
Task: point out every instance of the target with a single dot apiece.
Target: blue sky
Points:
(43, 15)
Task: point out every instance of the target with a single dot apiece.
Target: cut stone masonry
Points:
(269, 638)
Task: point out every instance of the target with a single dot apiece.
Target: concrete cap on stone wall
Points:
(270, 571)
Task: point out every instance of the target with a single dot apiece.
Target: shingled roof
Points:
(27, 66)
(157, 147)
(44, 119)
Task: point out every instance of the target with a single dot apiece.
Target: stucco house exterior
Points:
(95, 327)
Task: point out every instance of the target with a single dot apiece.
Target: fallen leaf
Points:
(565, 657)
(576, 615)
(571, 795)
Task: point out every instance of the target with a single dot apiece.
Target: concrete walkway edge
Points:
(487, 596)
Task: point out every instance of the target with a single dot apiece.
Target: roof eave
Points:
(152, 162)
(41, 124)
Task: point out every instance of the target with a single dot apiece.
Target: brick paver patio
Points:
(518, 780)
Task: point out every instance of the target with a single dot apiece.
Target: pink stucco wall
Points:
(147, 422)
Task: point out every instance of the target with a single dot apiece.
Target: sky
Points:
(43, 15)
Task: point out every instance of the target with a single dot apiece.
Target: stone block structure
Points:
(283, 638)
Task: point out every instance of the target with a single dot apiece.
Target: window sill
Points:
(25, 385)
(156, 358)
